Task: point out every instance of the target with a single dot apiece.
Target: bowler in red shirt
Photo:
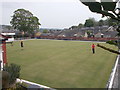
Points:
(93, 48)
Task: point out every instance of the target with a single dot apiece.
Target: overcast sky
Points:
(51, 13)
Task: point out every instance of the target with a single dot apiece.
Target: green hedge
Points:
(112, 42)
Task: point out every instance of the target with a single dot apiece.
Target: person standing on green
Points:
(21, 43)
(93, 48)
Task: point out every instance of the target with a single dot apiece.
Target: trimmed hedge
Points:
(108, 49)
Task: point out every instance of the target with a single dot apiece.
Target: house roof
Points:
(111, 33)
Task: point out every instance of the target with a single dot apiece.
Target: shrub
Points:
(19, 86)
(5, 79)
(14, 72)
(22, 86)
(112, 42)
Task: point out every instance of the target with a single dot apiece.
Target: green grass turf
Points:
(62, 64)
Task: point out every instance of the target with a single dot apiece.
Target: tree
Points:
(106, 9)
(89, 33)
(24, 21)
(103, 8)
(8, 27)
(80, 25)
(100, 23)
(73, 27)
(89, 22)
(45, 31)
(112, 22)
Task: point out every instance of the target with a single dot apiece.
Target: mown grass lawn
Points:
(62, 64)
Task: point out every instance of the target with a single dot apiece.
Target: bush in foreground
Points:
(13, 73)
